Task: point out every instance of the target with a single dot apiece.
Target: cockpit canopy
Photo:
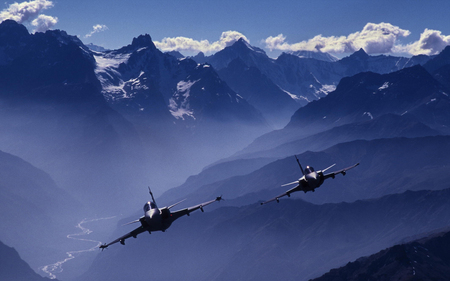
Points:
(149, 205)
(309, 170)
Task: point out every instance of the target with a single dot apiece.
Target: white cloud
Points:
(43, 23)
(374, 38)
(25, 11)
(188, 44)
(95, 29)
(431, 42)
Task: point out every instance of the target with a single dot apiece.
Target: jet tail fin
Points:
(151, 194)
(303, 172)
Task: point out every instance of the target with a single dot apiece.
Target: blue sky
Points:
(389, 27)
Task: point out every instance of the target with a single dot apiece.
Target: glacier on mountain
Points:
(106, 72)
(384, 86)
(179, 103)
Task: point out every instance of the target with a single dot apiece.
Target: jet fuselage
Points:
(311, 181)
(153, 219)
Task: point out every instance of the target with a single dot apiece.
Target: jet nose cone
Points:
(313, 180)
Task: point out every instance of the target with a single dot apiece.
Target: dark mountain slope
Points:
(439, 67)
(259, 91)
(398, 93)
(212, 100)
(35, 212)
(12, 267)
(439, 61)
(424, 259)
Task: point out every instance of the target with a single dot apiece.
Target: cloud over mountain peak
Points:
(181, 43)
(30, 12)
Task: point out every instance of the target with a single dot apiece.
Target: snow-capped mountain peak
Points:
(243, 44)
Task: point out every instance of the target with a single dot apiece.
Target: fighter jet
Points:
(156, 219)
(310, 180)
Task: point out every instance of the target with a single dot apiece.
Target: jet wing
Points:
(177, 214)
(121, 239)
(288, 193)
(343, 171)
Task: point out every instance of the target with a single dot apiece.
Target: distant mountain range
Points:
(365, 96)
(307, 76)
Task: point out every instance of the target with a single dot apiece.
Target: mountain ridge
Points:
(423, 259)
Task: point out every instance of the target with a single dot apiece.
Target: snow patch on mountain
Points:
(314, 55)
(432, 100)
(326, 89)
(368, 114)
(323, 91)
(179, 103)
(106, 72)
(294, 97)
(135, 83)
(384, 86)
(106, 62)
